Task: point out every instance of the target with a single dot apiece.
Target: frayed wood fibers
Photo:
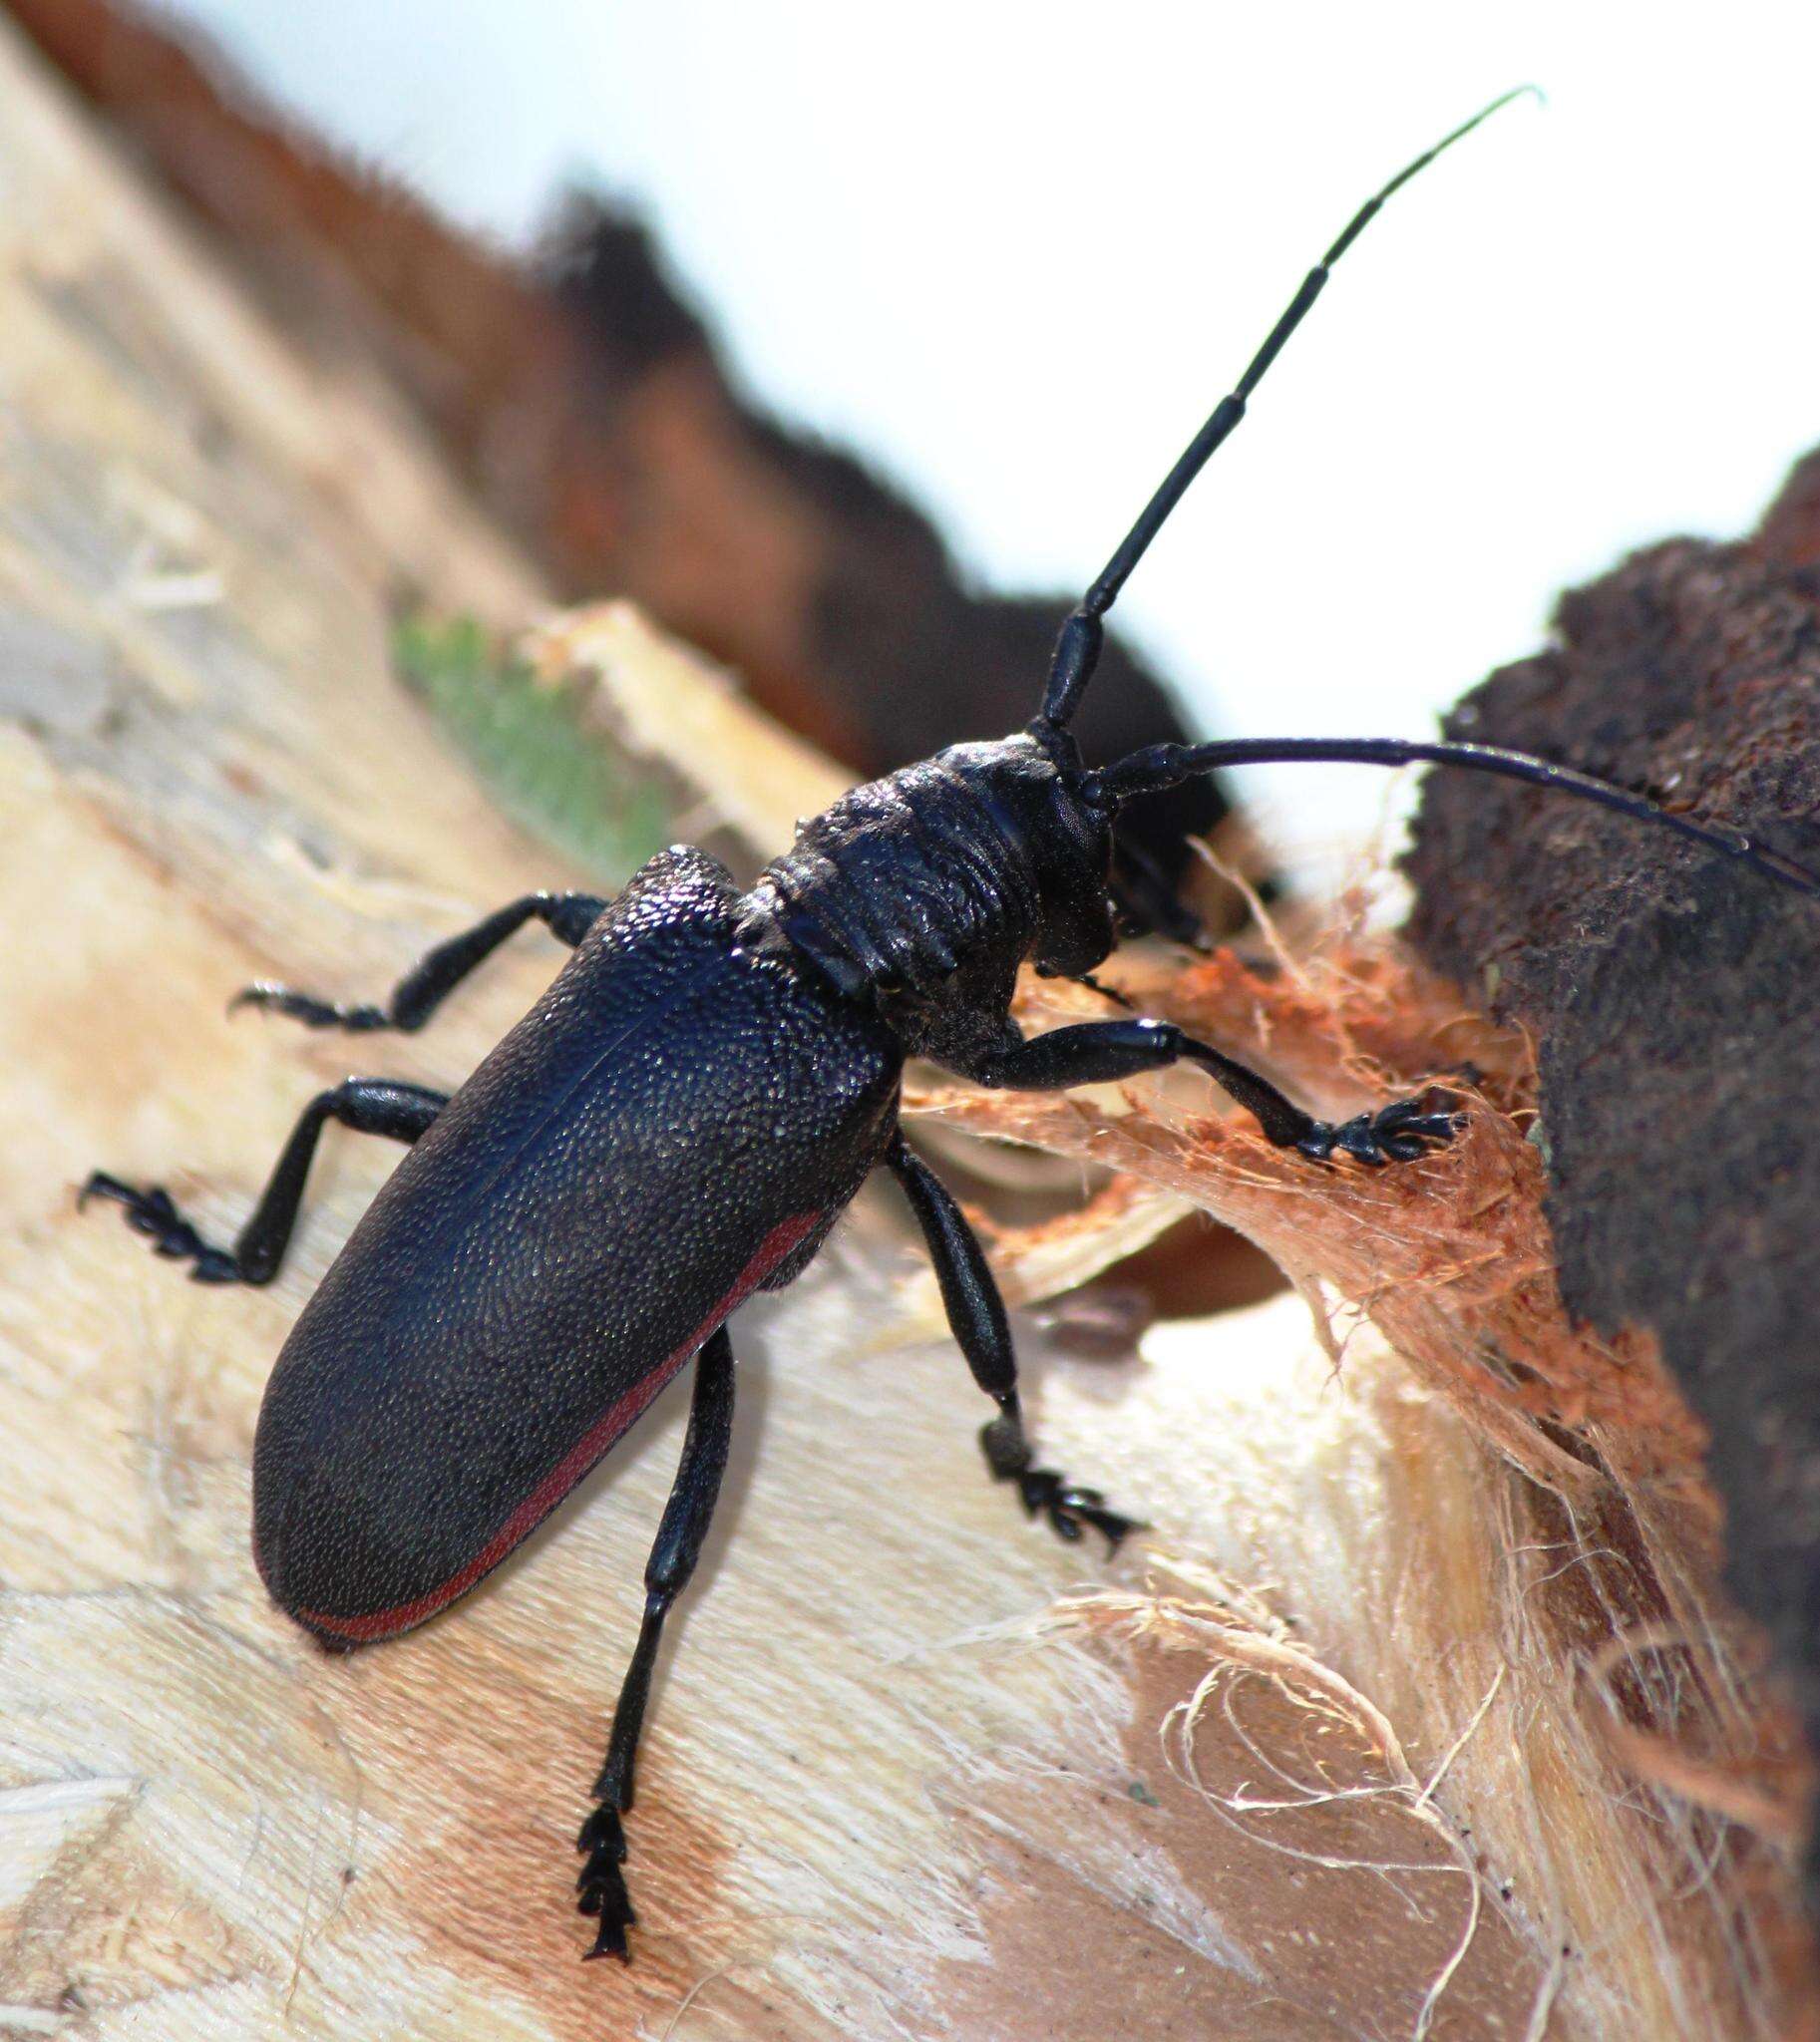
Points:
(1551, 1732)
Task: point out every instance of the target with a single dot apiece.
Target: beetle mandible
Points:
(679, 1122)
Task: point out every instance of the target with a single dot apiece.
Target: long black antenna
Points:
(1077, 650)
(1165, 766)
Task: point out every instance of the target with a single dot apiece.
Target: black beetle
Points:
(681, 1121)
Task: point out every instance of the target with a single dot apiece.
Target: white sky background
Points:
(1013, 252)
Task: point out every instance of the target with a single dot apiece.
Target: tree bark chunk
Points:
(1673, 998)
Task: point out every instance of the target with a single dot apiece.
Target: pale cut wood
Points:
(895, 1783)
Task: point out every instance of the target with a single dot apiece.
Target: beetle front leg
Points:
(1103, 1052)
(567, 917)
(678, 1546)
(976, 1312)
(370, 1106)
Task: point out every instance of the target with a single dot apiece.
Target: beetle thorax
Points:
(924, 890)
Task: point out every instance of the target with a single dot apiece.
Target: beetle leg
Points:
(1103, 1052)
(370, 1106)
(678, 1546)
(976, 1312)
(567, 917)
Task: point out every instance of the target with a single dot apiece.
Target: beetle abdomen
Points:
(672, 1121)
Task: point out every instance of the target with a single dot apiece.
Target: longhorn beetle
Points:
(680, 1119)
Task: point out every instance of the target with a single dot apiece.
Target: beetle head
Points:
(1033, 782)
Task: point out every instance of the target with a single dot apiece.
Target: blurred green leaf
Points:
(529, 743)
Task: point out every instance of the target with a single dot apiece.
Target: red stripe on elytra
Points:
(575, 1463)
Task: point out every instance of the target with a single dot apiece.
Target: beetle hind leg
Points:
(154, 1213)
(686, 1517)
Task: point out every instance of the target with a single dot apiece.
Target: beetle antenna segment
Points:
(1165, 766)
(1077, 649)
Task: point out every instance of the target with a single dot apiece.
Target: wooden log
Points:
(1336, 1753)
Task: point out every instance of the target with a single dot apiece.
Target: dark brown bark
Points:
(1674, 996)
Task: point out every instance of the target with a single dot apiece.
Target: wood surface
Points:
(1332, 1754)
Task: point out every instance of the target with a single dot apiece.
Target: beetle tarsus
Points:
(1068, 1507)
(602, 1884)
(1394, 1134)
(312, 1012)
(153, 1214)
